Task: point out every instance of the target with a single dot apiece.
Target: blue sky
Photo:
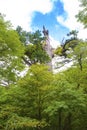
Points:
(58, 16)
(49, 20)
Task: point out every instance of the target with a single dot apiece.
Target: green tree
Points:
(80, 52)
(11, 51)
(68, 45)
(58, 51)
(41, 100)
(73, 33)
(36, 37)
(38, 79)
(24, 36)
(35, 51)
(82, 15)
(66, 103)
(22, 105)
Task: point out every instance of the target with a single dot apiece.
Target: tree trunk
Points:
(60, 120)
(80, 62)
(39, 106)
(67, 123)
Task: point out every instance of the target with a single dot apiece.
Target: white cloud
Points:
(54, 43)
(21, 12)
(82, 34)
(72, 8)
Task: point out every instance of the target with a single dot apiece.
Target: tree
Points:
(66, 101)
(24, 36)
(58, 51)
(22, 105)
(11, 52)
(68, 45)
(35, 82)
(80, 52)
(35, 51)
(82, 15)
(73, 33)
(41, 100)
(36, 37)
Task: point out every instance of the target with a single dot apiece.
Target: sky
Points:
(58, 16)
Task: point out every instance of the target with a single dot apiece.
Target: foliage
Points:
(11, 51)
(73, 33)
(36, 37)
(58, 51)
(22, 105)
(68, 45)
(41, 100)
(82, 15)
(80, 52)
(35, 51)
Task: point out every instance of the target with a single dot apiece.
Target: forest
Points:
(40, 99)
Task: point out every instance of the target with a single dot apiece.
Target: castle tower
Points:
(48, 47)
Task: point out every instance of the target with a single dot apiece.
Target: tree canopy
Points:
(82, 15)
(41, 100)
(11, 51)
